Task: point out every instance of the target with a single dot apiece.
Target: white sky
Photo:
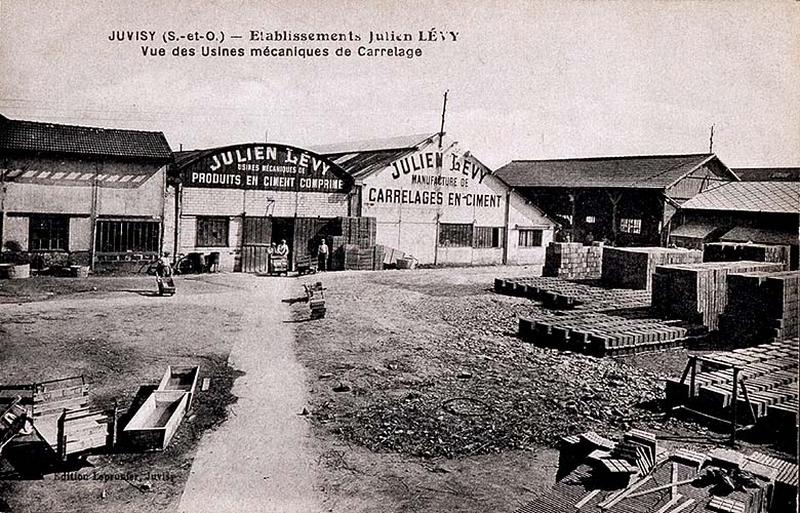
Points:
(526, 80)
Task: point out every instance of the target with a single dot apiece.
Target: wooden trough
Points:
(157, 420)
(181, 378)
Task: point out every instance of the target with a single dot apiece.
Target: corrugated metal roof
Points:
(637, 172)
(777, 197)
(768, 174)
(361, 159)
(17, 135)
(370, 145)
(359, 165)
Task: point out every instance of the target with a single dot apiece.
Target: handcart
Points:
(279, 264)
(306, 264)
(166, 285)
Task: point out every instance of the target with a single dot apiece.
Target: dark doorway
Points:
(283, 229)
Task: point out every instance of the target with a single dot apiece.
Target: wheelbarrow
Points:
(166, 285)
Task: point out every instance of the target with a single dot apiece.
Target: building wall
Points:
(65, 186)
(413, 197)
(234, 203)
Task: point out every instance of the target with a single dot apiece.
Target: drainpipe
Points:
(178, 212)
(507, 231)
(93, 218)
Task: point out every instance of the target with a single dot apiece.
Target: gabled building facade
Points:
(628, 201)
(436, 201)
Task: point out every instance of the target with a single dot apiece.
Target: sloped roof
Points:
(776, 197)
(31, 136)
(637, 172)
(768, 174)
(760, 236)
(695, 230)
(361, 159)
(386, 143)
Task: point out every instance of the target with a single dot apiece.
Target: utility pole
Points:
(444, 111)
(711, 140)
(439, 174)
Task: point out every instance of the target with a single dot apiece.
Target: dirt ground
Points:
(419, 396)
(441, 408)
(120, 337)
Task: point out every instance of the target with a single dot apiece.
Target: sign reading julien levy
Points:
(272, 167)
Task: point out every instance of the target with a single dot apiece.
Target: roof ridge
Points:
(621, 157)
(85, 127)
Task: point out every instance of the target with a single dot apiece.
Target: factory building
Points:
(433, 202)
(437, 202)
(628, 201)
(75, 195)
(233, 202)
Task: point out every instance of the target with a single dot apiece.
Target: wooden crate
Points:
(85, 429)
(155, 422)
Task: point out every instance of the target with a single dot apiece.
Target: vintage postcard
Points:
(399, 256)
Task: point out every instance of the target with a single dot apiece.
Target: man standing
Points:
(322, 255)
(283, 249)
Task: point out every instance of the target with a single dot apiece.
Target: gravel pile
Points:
(474, 388)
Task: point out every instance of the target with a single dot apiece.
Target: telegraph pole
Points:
(711, 140)
(439, 174)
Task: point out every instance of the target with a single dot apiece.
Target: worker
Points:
(322, 255)
(164, 266)
(283, 249)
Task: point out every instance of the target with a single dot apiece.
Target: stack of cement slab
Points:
(601, 334)
(633, 267)
(698, 293)
(761, 307)
(769, 374)
(735, 251)
(573, 261)
(561, 294)
(360, 231)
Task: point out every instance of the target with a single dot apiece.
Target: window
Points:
(212, 231)
(590, 220)
(628, 225)
(49, 233)
(488, 237)
(459, 235)
(127, 236)
(530, 238)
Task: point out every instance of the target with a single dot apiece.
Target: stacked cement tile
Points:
(698, 293)
(761, 307)
(733, 251)
(600, 334)
(633, 267)
(573, 261)
(562, 294)
(769, 374)
(588, 480)
(360, 231)
(597, 325)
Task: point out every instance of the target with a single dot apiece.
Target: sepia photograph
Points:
(378, 256)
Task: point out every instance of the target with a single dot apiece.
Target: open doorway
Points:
(283, 229)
